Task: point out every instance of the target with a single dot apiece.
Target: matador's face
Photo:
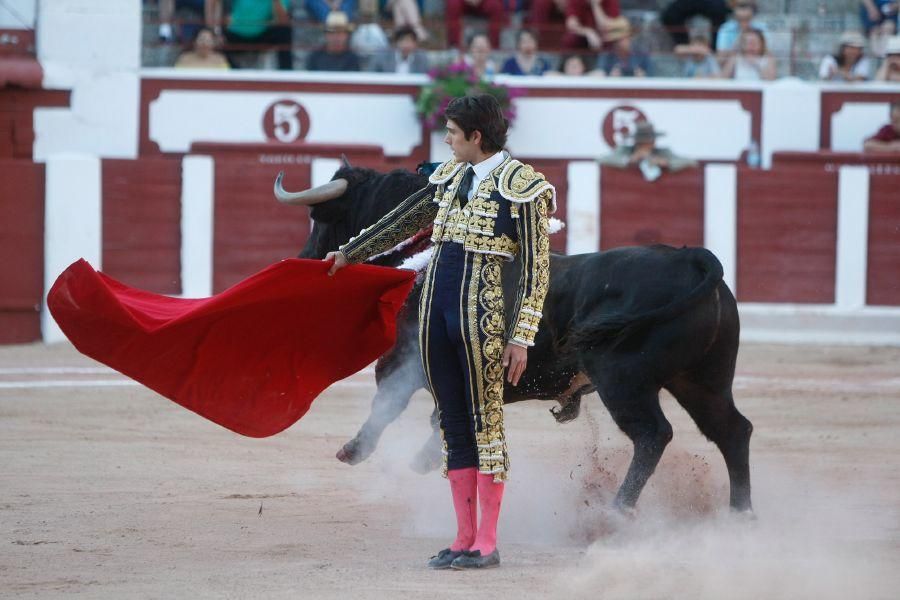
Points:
(464, 150)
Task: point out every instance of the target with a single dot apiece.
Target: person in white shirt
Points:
(849, 63)
(753, 61)
(405, 57)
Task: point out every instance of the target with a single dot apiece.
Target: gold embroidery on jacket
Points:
(404, 221)
(486, 299)
(534, 244)
(519, 182)
(473, 225)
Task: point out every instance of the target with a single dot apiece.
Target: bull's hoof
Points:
(744, 515)
(426, 460)
(353, 452)
(625, 511)
(565, 413)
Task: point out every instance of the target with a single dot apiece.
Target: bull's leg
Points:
(638, 415)
(428, 458)
(392, 397)
(719, 420)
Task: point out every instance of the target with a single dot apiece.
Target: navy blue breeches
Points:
(462, 337)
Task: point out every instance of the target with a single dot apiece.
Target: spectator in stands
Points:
(743, 19)
(643, 153)
(699, 62)
(404, 57)
(623, 60)
(575, 65)
(849, 63)
(204, 54)
(406, 13)
(320, 9)
(887, 139)
(258, 23)
(590, 23)
(753, 61)
(526, 60)
(479, 56)
(879, 21)
(548, 19)
(492, 10)
(676, 15)
(336, 55)
(890, 68)
(193, 14)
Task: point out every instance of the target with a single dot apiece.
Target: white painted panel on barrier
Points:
(720, 218)
(583, 207)
(855, 122)
(852, 237)
(791, 118)
(94, 35)
(181, 117)
(323, 169)
(72, 223)
(17, 14)
(588, 127)
(102, 121)
(197, 208)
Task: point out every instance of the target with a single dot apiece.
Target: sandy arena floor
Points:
(110, 491)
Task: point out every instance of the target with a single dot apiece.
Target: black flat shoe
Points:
(444, 558)
(474, 560)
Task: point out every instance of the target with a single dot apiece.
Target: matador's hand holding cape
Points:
(252, 358)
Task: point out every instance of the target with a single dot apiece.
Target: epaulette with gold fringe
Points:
(521, 183)
(445, 172)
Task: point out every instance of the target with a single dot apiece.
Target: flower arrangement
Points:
(454, 81)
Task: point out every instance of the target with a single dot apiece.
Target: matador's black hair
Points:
(480, 112)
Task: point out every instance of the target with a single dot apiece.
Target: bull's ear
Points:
(345, 161)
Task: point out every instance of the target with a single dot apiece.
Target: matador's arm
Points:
(534, 254)
(410, 216)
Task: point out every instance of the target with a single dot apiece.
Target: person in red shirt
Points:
(587, 22)
(887, 139)
(491, 9)
(547, 18)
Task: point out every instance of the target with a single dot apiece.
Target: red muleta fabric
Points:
(252, 358)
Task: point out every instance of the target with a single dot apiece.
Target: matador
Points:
(485, 208)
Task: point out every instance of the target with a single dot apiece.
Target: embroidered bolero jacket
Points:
(507, 216)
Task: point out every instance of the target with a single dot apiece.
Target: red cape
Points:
(252, 358)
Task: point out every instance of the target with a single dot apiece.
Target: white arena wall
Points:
(121, 116)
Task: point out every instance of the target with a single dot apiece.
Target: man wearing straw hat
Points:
(336, 54)
(644, 154)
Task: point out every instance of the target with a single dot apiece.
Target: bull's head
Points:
(354, 198)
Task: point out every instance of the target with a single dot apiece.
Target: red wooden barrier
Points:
(787, 235)
(22, 246)
(142, 223)
(883, 277)
(637, 212)
(253, 230)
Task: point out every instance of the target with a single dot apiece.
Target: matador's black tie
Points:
(463, 192)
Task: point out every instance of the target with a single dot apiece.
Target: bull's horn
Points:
(345, 161)
(316, 195)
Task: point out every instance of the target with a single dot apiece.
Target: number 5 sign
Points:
(286, 121)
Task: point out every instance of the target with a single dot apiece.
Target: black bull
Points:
(625, 323)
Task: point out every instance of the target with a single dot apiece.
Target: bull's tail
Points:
(610, 330)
